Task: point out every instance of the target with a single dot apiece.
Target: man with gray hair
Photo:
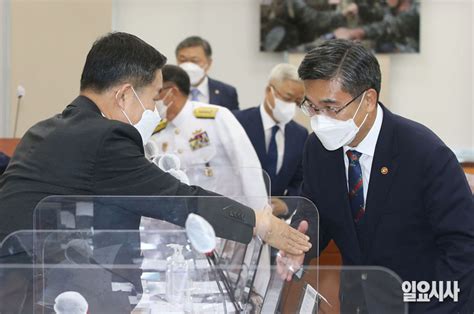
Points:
(278, 140)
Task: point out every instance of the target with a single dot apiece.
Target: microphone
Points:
(203, 239)
(78, 251)
(151, 150)
(167, 162)
(70, 302)
(171, 163)
(20, 93)
(200, 233)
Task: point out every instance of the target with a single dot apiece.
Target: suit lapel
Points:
(384, 169)
(258, 135)
(287, 155)
(214, 93)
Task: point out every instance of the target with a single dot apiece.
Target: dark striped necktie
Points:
(356, 185)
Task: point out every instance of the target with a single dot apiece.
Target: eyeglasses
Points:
(310, 109)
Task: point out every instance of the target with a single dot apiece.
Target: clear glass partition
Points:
(94, 246)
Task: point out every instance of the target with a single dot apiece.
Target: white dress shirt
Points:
(268, 124)
(367, 148)
(203, 89)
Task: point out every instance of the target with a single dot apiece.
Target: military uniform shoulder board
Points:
(161, 126)
(205, 112)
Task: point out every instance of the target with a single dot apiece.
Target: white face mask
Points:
(195, 72)
(162, 107)
(283, 111)
(334, 133)
(147, 123)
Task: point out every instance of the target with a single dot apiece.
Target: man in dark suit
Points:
(389, 192)
(277, 139)
(194, 55)
(95, 147)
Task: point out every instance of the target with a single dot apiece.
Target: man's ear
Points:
(371, 99)
(122, 95)
(209, 64)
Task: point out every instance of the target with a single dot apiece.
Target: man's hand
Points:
(278, 234)
(279, 207)
(288, 264)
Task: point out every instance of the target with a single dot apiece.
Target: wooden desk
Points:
(8, 145)
(468, 167)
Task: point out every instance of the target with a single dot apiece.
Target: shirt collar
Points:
(183, 115)
(268, 122)
(203, 88)
(367, 145)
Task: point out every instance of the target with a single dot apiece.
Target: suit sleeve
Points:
(449, 203)
(317, 232)
(122, 169)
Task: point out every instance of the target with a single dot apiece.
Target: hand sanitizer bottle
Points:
(177, 276)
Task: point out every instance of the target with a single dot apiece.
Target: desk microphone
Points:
(20, 93)
(203, 239)
(70, 302)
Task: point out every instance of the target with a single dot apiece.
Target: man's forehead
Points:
(323, 90)
(193, 51)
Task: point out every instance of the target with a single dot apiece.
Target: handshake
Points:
(279, 234)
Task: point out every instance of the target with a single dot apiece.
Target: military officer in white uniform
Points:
(214, 151)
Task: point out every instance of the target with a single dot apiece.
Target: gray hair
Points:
(284, 71)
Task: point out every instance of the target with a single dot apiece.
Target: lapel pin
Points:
(216, 92)
(384, 170)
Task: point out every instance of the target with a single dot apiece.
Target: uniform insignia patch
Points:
(199, 139)
(161, 126)
(205, 112)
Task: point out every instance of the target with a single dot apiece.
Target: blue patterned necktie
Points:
(195, 94)
(356, 185)
(272, 154)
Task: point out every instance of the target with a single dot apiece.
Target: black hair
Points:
(195, 41)
(120, 57)
(353, 65)
(174, 74)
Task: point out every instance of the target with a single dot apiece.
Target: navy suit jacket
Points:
(419, 219)
(289, 178)
(223, 94)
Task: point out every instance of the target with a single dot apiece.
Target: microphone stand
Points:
(211, 258)
(17, 113)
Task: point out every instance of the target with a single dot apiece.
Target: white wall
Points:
(48, 47)
(231, 26)
(434, 87)
(4, 66)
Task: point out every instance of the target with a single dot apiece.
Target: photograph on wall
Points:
(385, 26)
